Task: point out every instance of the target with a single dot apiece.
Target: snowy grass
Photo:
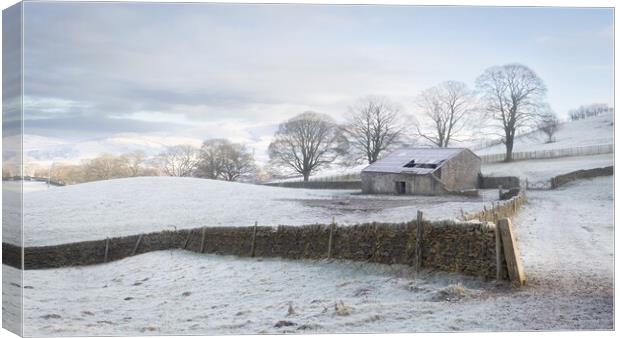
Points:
(179, 292)
(122, 207)
(567, 249)
(539, 170)
(593, 131)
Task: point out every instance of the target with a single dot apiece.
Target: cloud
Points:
(80, 127)
(236, 71)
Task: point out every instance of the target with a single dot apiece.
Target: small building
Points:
(422, 171)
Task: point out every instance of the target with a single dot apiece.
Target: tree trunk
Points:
(306, 176)
(509, 145)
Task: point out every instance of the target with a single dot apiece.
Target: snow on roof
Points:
(413, 161)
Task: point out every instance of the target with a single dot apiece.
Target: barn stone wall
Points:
(463, 247)
(461, 171)
(385, 183)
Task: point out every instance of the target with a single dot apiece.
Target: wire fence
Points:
(551, 153)
(351, 177)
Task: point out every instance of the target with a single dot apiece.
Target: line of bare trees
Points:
(590, 110)
(102, 167)
(508, 99)
(216, 159)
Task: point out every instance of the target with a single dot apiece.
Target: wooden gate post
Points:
(419, 241)
(511, 252)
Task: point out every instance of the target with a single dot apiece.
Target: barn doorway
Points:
(401, 188)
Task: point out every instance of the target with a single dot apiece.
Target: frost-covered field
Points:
(567, 249)
(592, 131)
(539, 170)
(97, 210)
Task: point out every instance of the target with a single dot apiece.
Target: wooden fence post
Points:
(419, 241)
(189, 235)
(253, 247)
(202, 241)
(514, 205)
(107, 246)
(499, 253)
(511, 252)
(135, 247)
(331, 238)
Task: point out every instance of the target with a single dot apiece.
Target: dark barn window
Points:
(401, 188)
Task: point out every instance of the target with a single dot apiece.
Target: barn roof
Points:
(414, 160)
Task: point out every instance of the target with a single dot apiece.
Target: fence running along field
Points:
(552, 153)
(351, 177)
(346, 185)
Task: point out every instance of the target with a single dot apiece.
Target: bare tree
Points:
(68, 174)
(210, 163)
(238, 161)
(373, 127)
(134, 162)
(513, 96)
(103, 167)
(305, 143)
(447, 111)
(223, 159)
(549, 125)
(179, 160)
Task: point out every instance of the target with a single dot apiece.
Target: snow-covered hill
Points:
(121, 207)
(593, 131)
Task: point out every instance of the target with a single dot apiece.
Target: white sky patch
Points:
(51, 106)
(156, 116)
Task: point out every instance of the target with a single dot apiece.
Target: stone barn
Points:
(422, 171)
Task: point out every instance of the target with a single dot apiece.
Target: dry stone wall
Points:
(495, 182)
(463, 247)
(498, 210)
(560, 180)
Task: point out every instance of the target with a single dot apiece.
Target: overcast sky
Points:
(235, 71)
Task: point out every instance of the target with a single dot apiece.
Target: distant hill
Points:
(593, 131)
